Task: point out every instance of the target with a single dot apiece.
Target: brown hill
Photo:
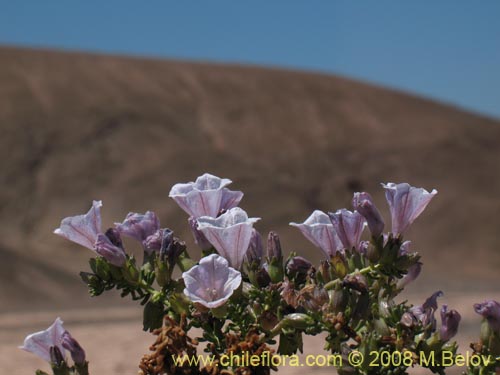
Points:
(77, 127)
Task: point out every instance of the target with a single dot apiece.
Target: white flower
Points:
(207, 196)
(230, 234)
(212, 282)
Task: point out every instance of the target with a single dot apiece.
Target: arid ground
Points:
(77, 127)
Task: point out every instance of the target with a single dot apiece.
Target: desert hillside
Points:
(77, 127)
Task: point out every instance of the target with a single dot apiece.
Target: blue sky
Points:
(448, 49)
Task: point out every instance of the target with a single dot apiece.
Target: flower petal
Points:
(39, 343)
(82, 229)
(139, 226)
(406, 203)
(230, 234)
(348, 226)
(113, 254)
(318, 229)
(206, 196)
(212, 282)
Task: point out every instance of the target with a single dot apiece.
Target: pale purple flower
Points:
(82, 229)
(39, 343)
(207, 196)
(363, 203)
(425, 312)
(406, 203)
(77, 352)
(212, 282)
(449, 323)
(139, 226)
(230, 234)
(318, 229)
(348, 226)
(490, 310)
(86, 230)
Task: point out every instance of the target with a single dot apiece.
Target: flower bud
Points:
(166, 244)
(449, 323)
(105, 247)
(255, 251)
(56, 357)
(363, 203)
(274, 246)
(275, 258)
(77, 352)
(490, 310)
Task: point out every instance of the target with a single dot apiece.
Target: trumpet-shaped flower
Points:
(212, 282)
(207, 196)
(348, 226)
(39, 343)
(230, 234)
(139, 226)
(82, 229)
(406, 203)
(318, 229)
(86, 230)
(490, 310)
